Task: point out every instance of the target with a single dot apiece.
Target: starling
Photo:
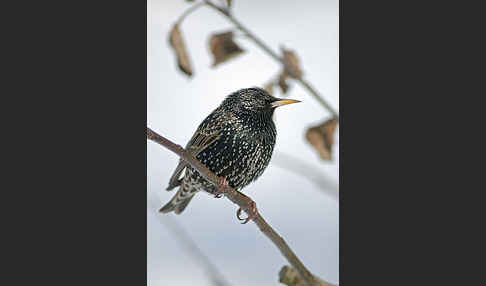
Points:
(235, 142)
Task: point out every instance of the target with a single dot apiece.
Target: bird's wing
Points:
(198, 143)
(174, 179)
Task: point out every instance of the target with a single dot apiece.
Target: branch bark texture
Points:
(243, 202)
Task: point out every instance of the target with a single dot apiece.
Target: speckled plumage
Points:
(235, 141)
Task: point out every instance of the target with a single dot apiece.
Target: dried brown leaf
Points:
(322, 137)
(291, 63)
(223, 47)
(290, 277)
(177, 43)
(269, 87)
(282, 82)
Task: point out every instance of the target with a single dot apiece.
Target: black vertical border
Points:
(407, 211)
(79, 76)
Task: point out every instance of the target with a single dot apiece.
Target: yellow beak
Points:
(281, 102)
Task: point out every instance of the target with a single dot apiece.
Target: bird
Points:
(235, 142)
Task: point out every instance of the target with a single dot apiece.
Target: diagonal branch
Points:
(182, 236)
(189, 11)
(306, 170)
(243, 202)
(274, 55)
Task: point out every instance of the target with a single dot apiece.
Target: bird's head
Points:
(255, 101)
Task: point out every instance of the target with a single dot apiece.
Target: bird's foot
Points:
(222, 186)
(252, 211)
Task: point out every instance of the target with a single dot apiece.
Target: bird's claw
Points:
(222, 185)
(253, 213)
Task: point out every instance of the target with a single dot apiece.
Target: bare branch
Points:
(243, 202)
(306, 170)
(189, 11)
(216, 277)
(185, 239)
(274, 55)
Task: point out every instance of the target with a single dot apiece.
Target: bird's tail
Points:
(178, 202)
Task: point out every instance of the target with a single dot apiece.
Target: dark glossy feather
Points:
(235, 141)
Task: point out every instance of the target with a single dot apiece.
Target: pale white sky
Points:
(305, 212)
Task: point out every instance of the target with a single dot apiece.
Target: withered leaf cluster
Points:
(177, 43)
(290, 277)
(269, 87)
(223, 47)
(291, 61)
(321, 137)
(292, 69)
(282, 82)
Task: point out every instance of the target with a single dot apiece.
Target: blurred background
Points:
(297, 194)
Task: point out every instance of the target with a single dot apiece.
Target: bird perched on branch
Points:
(235, 142)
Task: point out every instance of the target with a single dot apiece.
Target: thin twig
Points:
(189, 11)
(185, 239)
(216, 276)
(243, 202)
(274, 55)
(306, 170)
